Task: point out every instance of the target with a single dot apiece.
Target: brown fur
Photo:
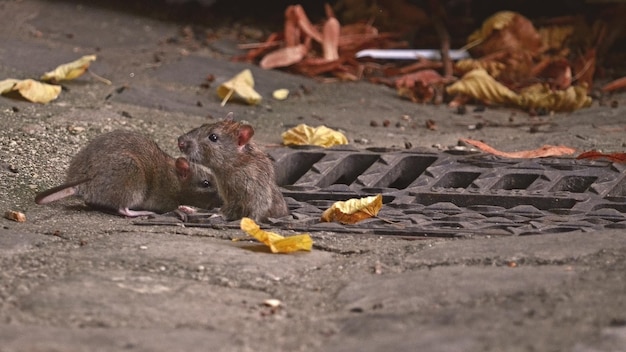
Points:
(244, 174)
(126, 170)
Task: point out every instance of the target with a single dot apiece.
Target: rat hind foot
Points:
(134, 213)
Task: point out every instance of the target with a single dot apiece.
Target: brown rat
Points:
(244, 175)
(124, 171)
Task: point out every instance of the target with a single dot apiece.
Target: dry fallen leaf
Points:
(31, 90)
(479, 85)
(276, 242)
(595, 155)
(284, 57)
(619, 83)
(280, 94)
(353, 210)
(70, 70)
(15, 216)
(307, 135)
(240, 86)
(541, 96)
(544, 151)
(505, 30)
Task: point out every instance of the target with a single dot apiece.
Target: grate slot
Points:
(407, 170)
(460, 179)
(348, 169)
(515, 181)
(292, 167)
(575, 184)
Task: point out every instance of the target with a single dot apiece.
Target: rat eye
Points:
(213, 137)
(206, 183)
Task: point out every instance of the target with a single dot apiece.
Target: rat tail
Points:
(58, 192)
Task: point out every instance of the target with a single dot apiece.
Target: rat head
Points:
(198, 187)
(217, 145)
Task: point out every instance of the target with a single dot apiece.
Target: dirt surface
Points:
(74, 279)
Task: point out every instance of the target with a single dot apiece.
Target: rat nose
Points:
(183, 145)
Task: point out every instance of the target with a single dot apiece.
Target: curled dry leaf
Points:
(15, 216)
(306, 135)
(70, 70)
(419, 86)
(276, 242)
(479, 85)
(505, 30)
(353, 210)
(284, 57)
(330, 43)
(595, 155)
(541, 96)
(617, 84)
(240, 86)
(544, 151)
(31, 90)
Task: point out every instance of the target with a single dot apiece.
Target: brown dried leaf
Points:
(541, 96)
(508, 31)
(330, 42)
(353, 210)
(544, 151)
(595, 155)
(617, 84)
(284, 57)
(479, 85)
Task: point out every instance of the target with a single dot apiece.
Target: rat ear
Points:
(182, 167)
(230, 116)
(245, 133)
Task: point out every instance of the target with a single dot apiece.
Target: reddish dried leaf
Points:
(284, 57)
(306, 25)
(506, 31)
(544, 151)
(330, 43)
(423, 77)
(595, 155)
(619, 83)
(260, 49)
(291, 29)
(584, 68)
(555, 71)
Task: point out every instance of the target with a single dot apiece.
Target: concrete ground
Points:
(74, 279)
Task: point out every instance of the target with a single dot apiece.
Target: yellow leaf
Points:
(541, 96)
(479, 85)
(276, 242)
(31, 90)
(70, 70)
(307, 135)
(280, 94)
(240, 86)
(7, 85)
(353, 210)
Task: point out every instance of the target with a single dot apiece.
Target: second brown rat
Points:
(127, 172)
(244, 174)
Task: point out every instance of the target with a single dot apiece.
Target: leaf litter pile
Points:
(512, 62)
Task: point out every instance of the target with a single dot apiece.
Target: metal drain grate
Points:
(445, 194)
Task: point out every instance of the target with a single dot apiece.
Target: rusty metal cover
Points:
(444, 194)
